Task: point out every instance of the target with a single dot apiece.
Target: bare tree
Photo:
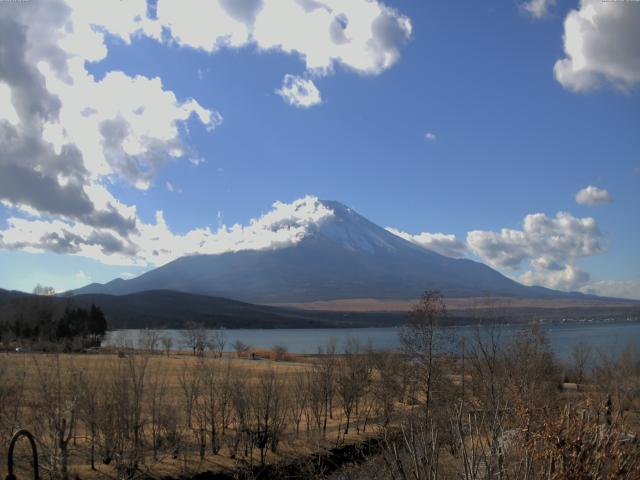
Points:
(472, 434)
(167, 343)
(268, 412)
(365, 401)
(202, 411)
(386, 387)
(124, 427)
(533, 376)
(225, 378)
(484, 351)
(489, 385)
(170, 425)
(298, 398)
(12, 397)
(581, 356)
(240, 347)
(421, 339)
(215, 393)
(44, 290)
(189, 379)
(279, 352)
(157, 406)
(411, 451)
(217, 342)
(240, 398)
(56, 412)
(90, 406)
(618, 373)
(317, 397)
(326, 377)
(352, 379)
(195, 338)
(148, 340)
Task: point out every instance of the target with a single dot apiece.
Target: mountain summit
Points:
(337, 254)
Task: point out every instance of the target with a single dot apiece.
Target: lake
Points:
(605, 337)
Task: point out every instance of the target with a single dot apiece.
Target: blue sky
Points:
(509, 138)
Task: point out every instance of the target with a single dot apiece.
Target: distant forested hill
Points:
(170, 309)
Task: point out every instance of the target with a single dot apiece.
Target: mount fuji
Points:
(337, 256)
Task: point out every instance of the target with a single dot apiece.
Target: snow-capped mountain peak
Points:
(352, 231)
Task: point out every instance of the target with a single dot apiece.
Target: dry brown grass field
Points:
(464, 304)
(169, 380)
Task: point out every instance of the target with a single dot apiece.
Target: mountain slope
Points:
(9, 295)
(342, 256)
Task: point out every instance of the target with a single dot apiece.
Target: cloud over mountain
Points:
(614, 288)
(549, 247)
(155, 244)
(444, 244)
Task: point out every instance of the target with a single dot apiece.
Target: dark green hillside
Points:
(171, 309)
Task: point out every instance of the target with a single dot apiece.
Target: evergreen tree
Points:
(97, 324)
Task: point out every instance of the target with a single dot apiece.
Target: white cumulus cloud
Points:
(362, 35)
(122, 125)
(568, 277)
(299, 92)
(602, 45)
(67, 134)
(444, 244)
(549, 247)
(593, 196)
(154, 244)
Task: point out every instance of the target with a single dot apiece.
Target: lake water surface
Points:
(604, 337)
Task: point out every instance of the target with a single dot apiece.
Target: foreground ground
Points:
(488, 409)
(181, 413)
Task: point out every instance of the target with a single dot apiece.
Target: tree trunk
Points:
(92, 454)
